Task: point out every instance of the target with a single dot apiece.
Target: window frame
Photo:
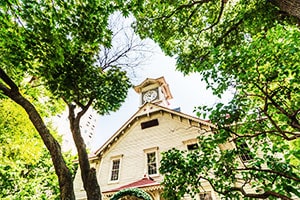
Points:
(244, 150)
(149, 151)
(191, 142)
(149, 124)
(192, 147)
(112, 160)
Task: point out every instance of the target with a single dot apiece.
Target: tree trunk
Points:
(61, 169)
(292, 7)
(88, 174)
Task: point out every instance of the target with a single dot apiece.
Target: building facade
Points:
(131, 157)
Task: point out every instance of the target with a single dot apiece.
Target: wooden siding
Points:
(173, 131)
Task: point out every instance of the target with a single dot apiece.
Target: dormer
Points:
(154, 91)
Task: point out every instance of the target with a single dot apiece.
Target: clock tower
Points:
(154, 91)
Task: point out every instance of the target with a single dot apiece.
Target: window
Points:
(205, 196)
(115, 168)
(149, 124)
(245, 153)
(192, 147)
(191, 144)
(151, 163)
(244, 150)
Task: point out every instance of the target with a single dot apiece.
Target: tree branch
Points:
(4, 89)
(264, 195)
(182, 7)
(8, 81)
(294, 122)
(61, 169)
(217, 20)
(232, 28)
(85, 108)
(270, 171)
(283, 134)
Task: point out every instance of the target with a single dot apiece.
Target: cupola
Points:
(154, 91)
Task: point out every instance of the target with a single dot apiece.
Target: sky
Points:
(188, 92)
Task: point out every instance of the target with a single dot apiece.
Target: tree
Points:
(13, 120)
(26, 169)
(251, 48)
(57, 44)
(26, 181)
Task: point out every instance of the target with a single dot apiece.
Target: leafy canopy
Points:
(54, 45)
(58, 43)
(26, 169)
(17, 134)
(251, 48)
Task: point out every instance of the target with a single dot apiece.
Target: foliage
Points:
(56, 44)
(131, 192)
(31, 180)
(13, 120)
(251, 48)
(26, 181)
(26, 169)
(60, 49)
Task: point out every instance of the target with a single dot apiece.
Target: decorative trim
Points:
(140, 113)
(151, 149)
(146, 189)
(190, 141)
(132, 192)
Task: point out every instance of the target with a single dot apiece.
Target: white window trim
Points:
(190, 141)
(118, 157)
(151, 150)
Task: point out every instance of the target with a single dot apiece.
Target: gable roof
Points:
(146, 109)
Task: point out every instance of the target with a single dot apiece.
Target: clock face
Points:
(149, 95)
